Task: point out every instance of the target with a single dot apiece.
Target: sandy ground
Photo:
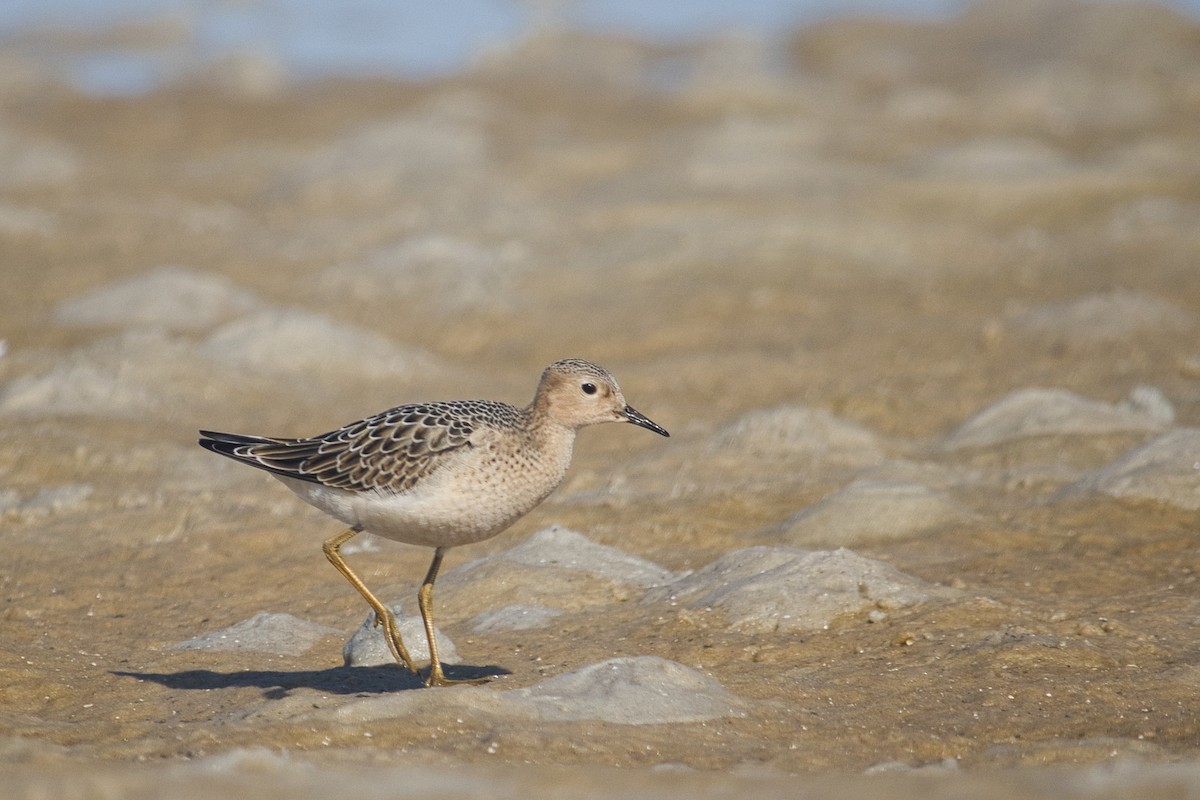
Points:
(834, 273)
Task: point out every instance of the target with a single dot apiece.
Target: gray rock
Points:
(514, 617)
(997, 158)
(555, 568)
(454, 273)
(1165, 470)
(124, 376)
(935, 476)
(290, 342)
(643, 690)
(768, 589)
(1149, 401)
(788, 431)
(1153, 217)
(169, 298)
(368, 648)
(1104, 317)
(567, 549)
(56, 500)
(1057, 412)
(269, 632)
(33, 160)
(21, 220)
(405, 707)
(871, 512)
(385, 159)
(746, 152)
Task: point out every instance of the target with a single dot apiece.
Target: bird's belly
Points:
(446, 510)
(433, 521)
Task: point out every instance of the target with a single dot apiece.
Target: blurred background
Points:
(131, 46)
(917, 279)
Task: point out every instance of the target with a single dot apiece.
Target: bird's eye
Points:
(588, 388)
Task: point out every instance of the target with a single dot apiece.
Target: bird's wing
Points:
(392, 451)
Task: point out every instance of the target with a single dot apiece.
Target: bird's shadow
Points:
(335, 680)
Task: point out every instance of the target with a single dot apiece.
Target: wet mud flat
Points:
(918, 303)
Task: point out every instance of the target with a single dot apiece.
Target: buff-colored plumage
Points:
(439, 474)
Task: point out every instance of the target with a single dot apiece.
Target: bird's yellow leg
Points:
(383, 614)
(425, 601)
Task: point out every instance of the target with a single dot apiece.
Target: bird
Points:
(438, 474)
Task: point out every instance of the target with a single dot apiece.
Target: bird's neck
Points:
(552, 436)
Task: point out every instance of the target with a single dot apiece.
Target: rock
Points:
(454, 273)
(1165, 470)
(870, 512)
(1057, 412)
(18, 220)
(169, 298)
(733, 68)
(406, 707)
(386, 159)
(368, 648)
(994, 159)
(642, 690)
(292, 342)
(57, 500)
(514, 617)
(789, 431)
(32, 161)
(567, 549)
(1152, 217)
(269, 632)
(254, 74)
(934, 476)
(555, 568)
(751, 153)
(1149, 402)
(778, 589)
(942, 766)
(1102, 317)
(125, 376)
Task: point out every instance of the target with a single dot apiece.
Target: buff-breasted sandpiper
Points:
(438, 474)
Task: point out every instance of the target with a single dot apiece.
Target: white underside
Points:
(468, 503)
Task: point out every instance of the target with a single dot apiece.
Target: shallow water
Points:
(827, 283)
